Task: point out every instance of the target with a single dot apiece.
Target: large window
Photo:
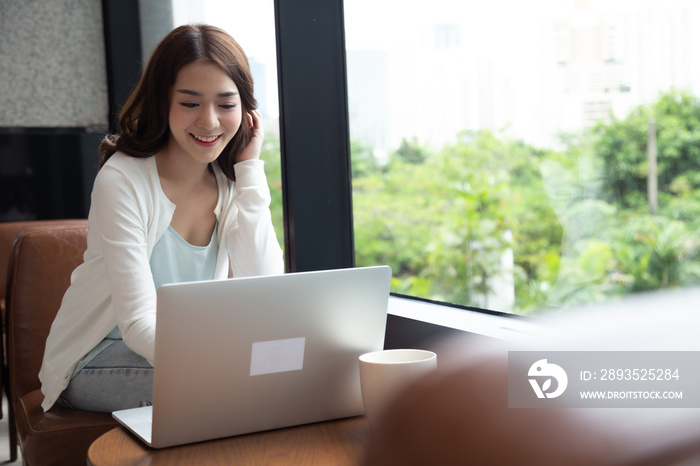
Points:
(526, 155)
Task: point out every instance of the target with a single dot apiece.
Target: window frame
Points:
(314, 135)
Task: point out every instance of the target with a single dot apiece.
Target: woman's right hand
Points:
(257, 136)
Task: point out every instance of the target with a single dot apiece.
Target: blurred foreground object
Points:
(460, 415)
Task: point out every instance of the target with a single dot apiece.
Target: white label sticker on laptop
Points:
(273, 356)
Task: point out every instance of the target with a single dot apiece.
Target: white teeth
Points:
(205, 139)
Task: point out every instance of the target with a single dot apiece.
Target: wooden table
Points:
(340, 442)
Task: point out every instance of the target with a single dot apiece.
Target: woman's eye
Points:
(188, 105)
(228, 106)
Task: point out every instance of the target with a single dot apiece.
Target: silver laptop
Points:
(251, 354)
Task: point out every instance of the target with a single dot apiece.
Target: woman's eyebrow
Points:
(199, 94)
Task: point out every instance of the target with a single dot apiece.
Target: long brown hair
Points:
(143, 121)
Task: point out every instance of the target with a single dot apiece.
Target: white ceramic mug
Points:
(384, 373)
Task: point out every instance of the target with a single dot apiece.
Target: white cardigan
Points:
(114, 285)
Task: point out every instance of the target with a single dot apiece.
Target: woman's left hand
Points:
(257, 136)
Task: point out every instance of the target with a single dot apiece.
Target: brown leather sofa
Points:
(8, 231)
(40, 264)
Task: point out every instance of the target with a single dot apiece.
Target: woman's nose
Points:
(208, 118)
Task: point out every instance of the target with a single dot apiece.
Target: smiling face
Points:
(205, 112)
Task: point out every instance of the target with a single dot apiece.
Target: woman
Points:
(181, 195)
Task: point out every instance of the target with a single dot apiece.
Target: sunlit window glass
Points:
(523, 156)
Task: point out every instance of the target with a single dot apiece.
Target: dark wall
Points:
(46, 174)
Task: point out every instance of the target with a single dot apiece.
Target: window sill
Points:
(504, 327)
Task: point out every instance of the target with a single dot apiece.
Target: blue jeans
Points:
(115, 379)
